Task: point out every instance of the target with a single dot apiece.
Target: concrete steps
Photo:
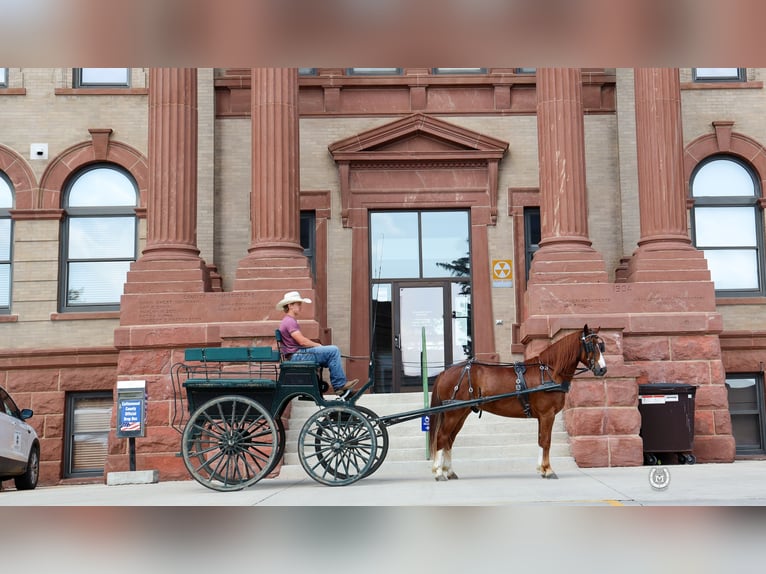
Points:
(488, 438)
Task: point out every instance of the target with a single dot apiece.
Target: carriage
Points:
(234, 435)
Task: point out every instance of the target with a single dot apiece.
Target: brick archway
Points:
(21, 176)
(99, 149)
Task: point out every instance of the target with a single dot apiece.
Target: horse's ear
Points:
(585, 329)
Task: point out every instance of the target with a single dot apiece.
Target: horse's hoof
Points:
(440, 478)
(452, 476)
(550, 475)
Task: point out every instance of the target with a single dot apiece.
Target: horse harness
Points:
(521, 384)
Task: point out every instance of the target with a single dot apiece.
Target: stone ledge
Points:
(132, 477)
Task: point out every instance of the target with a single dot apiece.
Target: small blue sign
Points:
(425, 423)
(130, 418)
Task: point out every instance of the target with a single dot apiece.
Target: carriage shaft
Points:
(389, 420)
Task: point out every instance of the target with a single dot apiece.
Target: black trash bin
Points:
(667, 421)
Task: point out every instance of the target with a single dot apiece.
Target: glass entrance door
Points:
(401, 311)
(421, 309)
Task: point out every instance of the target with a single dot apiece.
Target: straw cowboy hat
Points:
(292, 297)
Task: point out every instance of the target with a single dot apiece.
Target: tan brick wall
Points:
(61, 121)
(232, 196)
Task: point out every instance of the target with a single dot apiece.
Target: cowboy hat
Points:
(292, 297)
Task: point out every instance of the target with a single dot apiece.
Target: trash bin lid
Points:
(666, 388)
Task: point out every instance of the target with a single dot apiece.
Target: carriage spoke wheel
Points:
(337, 445)
(230, 443)
(381, 436)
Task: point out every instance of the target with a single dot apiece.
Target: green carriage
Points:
(234, 434)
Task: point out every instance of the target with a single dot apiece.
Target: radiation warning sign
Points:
(502, 273)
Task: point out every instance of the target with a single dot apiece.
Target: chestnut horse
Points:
(475, 380)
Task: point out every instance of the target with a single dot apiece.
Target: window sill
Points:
(9, 318)
(740, 300)
(721, 85)
(101, 91)
(13, 91)
(80, 316)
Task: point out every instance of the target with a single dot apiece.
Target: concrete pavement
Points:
(490, 483)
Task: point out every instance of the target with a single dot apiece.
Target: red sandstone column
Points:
(661, 190)
(564, 246)
(275, 262)
(275, 202)
(171, 256)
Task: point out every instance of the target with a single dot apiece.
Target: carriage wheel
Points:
(337, 445)
(230, 443)
(381, 435)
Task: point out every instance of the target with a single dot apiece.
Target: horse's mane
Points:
(563, 355)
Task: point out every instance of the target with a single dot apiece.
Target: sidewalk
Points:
(742, 483)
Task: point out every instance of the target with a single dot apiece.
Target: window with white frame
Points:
(718, 74)
(3, 77)
(727, 224)
(6, 240)
(102, 77)
(99, 238)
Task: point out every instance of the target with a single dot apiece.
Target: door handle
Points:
(397, 342)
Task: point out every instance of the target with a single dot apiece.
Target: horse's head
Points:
(592, 351)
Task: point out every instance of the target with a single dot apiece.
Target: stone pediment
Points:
(418, 137)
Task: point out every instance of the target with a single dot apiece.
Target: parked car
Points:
(19, 445)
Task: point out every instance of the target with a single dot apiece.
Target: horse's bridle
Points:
(588, 344)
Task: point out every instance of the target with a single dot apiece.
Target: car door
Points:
(15, 435)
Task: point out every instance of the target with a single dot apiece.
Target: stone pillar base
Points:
(681, 264)
(575, 266)
(168, 276)
(280, 274)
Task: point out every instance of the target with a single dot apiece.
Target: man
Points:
(297, 347)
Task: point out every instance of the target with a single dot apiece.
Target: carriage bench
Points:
(255, 372)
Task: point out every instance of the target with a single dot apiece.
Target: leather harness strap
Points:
(521, 385)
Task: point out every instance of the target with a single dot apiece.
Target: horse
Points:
(475, 380)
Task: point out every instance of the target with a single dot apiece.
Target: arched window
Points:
(727, 224)
(99, 238)
(6, 240)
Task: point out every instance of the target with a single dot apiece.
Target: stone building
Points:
(143, 211)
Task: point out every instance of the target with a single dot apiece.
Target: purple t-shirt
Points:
(288, 326)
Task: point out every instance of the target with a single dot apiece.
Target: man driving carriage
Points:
(297, 347)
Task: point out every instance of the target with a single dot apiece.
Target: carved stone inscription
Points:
(169, 308)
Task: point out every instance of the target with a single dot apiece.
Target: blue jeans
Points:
(325, 356)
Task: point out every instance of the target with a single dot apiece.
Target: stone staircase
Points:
(489, 438)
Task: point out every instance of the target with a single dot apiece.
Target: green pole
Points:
(424, 377)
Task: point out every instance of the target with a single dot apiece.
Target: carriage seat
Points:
(231, 367)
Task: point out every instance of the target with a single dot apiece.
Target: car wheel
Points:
(28, 480)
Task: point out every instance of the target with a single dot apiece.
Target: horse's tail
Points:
(435, 419)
